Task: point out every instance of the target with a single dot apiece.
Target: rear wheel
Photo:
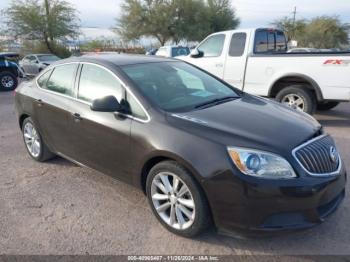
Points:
(298, 97)
(8, 81)
(177, 200)
(35, 145)
(322, 106)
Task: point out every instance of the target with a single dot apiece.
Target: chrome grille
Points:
(318, 156)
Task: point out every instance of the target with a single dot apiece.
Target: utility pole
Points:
(294, 15)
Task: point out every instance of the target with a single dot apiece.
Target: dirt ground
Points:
(60, 208)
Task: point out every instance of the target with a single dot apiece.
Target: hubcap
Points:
(32, 140)
(7, 81)
(173, 200)
(294, 101)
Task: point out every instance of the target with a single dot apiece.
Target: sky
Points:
(253, 13)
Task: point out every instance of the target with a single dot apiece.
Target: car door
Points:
(236, 60)
(25, 64)
(52, 106)
(213, 59)
(101, 139)
(31, 65)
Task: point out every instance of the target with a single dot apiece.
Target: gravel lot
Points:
(60, 208)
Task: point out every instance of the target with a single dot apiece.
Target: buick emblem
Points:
(333, 154)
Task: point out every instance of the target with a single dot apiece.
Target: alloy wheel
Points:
(294, 101)
(7, 81)
(32, 139)
(173, 201)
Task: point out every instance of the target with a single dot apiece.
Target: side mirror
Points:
(195, 53)
(106, 104)
(37, 61)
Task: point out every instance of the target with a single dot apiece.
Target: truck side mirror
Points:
(195, 53)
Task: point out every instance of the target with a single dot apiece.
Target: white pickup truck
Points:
(256, 61)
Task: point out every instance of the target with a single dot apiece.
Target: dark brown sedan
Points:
(202, 151)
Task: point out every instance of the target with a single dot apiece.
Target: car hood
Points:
(250, 122)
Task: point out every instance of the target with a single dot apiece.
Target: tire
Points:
(323, 106)
(197, 220)
(300, 94)
(8, 81)
(39, 153)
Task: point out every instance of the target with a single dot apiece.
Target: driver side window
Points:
(212, 46)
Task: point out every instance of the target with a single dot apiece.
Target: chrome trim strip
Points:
(87, 103)
(335, 173)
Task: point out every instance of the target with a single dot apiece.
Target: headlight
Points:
(260, 164)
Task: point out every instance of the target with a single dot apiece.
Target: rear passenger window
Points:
(97, 82)
(237, 44)
(42, 80)
(62, 79)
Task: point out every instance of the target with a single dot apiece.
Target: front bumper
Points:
(253, 206)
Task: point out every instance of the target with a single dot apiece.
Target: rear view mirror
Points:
(196, 53)
(106, 104)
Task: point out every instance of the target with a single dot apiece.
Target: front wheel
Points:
(8, 81)
(177, 200)
(323, 106)
(298, 97)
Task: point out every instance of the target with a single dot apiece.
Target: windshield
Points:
(177, 86)
(48, 58)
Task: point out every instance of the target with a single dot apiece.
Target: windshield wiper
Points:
(216, 101)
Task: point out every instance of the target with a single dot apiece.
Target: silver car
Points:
(35, 63)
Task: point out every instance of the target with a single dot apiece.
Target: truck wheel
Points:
(298, 97)
(323, 106)
(8, 81)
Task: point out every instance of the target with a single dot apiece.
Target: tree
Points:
(326, 32)
(292, 30)
(319, 32)
(45, 21)
(175, 20)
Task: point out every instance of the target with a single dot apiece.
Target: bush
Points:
(36, 47)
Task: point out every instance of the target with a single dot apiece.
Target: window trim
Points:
(223, 45)
(76, 86)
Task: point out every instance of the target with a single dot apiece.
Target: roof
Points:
(119, 59)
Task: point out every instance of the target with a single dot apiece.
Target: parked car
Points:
(202, 151)
(35, 63)
(256, 61)
(152, 51)
(303, 50)
(9, 71)
(172, 51)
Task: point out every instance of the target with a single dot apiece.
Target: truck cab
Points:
(256, 61)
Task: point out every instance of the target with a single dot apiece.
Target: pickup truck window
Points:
(213, 45)
(267, 41)
(281, 44)
(237, 44)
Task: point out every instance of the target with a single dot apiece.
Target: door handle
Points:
(77, 117)
(219, 65)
